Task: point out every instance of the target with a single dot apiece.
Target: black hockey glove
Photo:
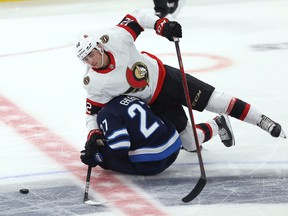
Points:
(168, 29)
(91, 160)
(95, 140)
(88, 159)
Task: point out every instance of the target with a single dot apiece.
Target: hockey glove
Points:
(91, 160)
(168, 29)
(94, 141)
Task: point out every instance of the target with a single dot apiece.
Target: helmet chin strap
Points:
(100, 48)
(102, 59)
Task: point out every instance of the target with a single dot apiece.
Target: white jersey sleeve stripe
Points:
(120, 145)
(117, 134)
(156, 153)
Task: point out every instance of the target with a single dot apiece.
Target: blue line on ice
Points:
(175, 164)
(34, 174)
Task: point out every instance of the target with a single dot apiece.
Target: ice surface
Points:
(240, 47)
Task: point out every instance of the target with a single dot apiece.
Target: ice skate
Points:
(175, 6)
(225, 130)
(271, 127)
(172, 6)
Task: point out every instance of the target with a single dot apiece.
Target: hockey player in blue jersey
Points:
(137, 141)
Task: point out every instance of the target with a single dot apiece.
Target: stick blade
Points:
(196, 190)
(93, 203)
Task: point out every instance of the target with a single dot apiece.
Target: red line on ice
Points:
(120, 195)
(35, 51)
(216, 62)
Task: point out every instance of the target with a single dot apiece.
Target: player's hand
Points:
(95, 140)
(168, 29)
(88, 159)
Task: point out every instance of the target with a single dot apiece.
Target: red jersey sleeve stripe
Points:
(95, 103)
(130, 24)
(93, 107)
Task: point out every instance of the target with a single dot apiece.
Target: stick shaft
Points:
(89, 170)
(189, 106)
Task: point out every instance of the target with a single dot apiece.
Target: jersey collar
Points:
(111, 66)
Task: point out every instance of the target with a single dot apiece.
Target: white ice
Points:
(245, 40)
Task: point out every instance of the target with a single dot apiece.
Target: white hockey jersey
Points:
(129, 72)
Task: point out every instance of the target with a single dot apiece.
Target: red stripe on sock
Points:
(231, 105)
(198, 126)
(210, 129)
(245, 112)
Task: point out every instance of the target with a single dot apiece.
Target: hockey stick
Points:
(86, 199)
(202, 181)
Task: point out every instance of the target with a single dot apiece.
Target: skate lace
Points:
(223, 134)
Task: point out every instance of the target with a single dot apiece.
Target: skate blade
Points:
(93, 203)
(282, 134)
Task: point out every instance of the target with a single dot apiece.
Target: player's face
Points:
(94, 58)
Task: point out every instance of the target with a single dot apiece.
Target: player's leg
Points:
(223, 103)
(175, 113)
(199, 91)
(220, 125)
(169, 103)
(203, 96)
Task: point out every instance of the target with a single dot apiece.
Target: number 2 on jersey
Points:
(146, 131)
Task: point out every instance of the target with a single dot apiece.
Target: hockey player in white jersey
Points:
(115, 67)
(137, 141)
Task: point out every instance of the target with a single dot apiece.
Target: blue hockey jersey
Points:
(137, 140)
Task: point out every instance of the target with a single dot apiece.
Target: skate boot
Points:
(271, 127)
(174, 7)
(225, 130)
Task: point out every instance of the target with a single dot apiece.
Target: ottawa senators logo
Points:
(137, 77)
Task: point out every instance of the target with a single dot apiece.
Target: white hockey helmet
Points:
(86, 44)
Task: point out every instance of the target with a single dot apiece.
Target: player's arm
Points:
(111, 157)
(139, 20)
(107, 158)
(112, 153)
(95, 136)
(92, 108)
